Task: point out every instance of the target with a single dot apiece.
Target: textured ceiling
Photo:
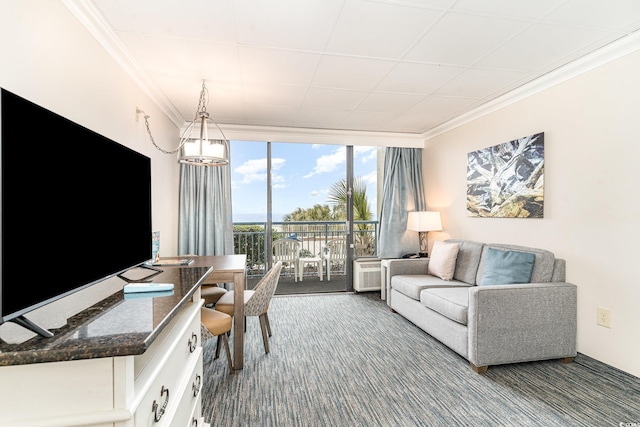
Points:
(368, 65)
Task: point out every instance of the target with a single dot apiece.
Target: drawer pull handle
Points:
(194, 422)
(196, 385)
(158, 414)
(193, 343)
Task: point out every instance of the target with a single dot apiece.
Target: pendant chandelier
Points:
(198, 150)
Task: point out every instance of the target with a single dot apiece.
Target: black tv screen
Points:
(76, 207)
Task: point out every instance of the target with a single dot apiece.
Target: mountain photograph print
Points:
(507, 180)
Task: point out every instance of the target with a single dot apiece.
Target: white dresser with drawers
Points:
(123, 363)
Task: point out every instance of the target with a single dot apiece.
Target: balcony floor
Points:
(308, 285)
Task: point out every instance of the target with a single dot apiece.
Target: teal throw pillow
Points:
(507, 267)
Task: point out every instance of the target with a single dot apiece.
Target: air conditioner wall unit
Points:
(366, 272)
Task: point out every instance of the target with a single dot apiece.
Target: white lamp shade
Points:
(424, 221)
(210, 149)
(191, 148)
(209, 152)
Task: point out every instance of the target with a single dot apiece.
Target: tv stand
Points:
(32, 326)
(154, 272)
(121, 362)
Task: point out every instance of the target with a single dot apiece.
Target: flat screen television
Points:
(75, 207)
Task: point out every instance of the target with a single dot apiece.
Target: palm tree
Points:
(316, 213)
(338, 196)
(361, 211)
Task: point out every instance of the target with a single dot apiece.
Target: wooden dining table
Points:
(228, 269)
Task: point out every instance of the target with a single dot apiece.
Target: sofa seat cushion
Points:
(451, 302)
(412, 285)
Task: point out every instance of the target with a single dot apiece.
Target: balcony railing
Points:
(250, 238)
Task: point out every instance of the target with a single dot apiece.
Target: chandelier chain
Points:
(203, 101)
(201, 108)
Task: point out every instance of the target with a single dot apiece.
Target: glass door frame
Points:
(349, 210)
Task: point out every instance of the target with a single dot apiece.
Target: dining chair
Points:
(219, 325)
(210, 292)
(287, 251)
(256, 301)
(335, 252)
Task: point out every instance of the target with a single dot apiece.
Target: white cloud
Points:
(365, 154)
(370, 178)
(329, 162)
(256, 170)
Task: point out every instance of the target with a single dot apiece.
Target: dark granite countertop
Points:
(119, 325)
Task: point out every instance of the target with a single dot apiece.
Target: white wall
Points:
(49, 58)
(591, 126)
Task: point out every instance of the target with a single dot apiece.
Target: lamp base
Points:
(424, 246)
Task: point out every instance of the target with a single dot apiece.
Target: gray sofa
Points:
(489, 324)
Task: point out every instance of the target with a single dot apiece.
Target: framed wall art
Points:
(507, 180)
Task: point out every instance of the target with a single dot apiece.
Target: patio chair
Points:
(287, 251)
(335, 253)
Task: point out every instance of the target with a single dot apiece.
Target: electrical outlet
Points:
(604, 317)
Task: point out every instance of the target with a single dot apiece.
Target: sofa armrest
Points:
(402, 266)
(407, 266)
(524, 322)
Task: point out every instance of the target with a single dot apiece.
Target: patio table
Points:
(310, 260)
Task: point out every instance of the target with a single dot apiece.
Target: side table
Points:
(384, 265)
(310, 260)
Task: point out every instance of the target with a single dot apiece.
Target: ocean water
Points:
(257, 217)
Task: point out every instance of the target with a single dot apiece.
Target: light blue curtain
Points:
(205, 221)
(402, 192)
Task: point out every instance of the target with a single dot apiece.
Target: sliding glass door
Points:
(322, 196)
(306, 178)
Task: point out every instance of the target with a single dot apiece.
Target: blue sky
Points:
(302, 176)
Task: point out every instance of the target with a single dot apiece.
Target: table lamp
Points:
(423, 222)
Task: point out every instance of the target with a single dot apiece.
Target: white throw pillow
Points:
(442, 260)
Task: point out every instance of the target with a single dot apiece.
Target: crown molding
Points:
(608, 53)
(86, 12)
(318, 136)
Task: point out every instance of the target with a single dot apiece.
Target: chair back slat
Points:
(336, 255)
(286, 250)
(337, 249)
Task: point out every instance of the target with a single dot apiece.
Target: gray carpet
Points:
(346, 360)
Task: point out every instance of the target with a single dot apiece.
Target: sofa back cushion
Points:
(467, 261)
(506, 267)
(442, 259)
(542, 267)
